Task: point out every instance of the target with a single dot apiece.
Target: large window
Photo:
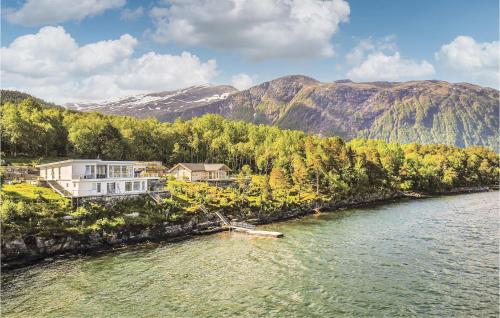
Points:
(128, 186)
(99, 187)
(111, 187)
(89, 172)
(101, 171)
(116, 171)
(137, 186)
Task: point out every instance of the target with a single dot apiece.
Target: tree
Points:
(264, 188)
(299, 173)
(278, 181)
(313, 159)
(97, 138)
(243, 178)
(12, 128)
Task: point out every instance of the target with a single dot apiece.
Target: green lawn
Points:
(29, 191)
(30, 161)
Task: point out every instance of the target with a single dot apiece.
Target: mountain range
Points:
(458, 114)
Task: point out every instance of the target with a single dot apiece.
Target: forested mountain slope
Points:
(17, 97)
(418, 111)
(331, 164)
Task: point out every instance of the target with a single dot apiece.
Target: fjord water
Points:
(432, 257)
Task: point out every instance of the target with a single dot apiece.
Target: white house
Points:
(96, 177)
(200, 171)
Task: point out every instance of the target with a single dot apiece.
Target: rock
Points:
(144, 234)
(14, 247)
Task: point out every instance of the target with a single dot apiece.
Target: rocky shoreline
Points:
(22, 251)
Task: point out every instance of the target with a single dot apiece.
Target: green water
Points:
(435, 257)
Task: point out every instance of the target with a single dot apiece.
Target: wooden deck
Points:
(242, 226)
(255, 232)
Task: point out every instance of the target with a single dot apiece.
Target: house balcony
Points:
(103, 176)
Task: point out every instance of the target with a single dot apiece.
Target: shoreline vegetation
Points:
(17, 253)
(279, 174)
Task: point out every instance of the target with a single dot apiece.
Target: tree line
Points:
(288, 158)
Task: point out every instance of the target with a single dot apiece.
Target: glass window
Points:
(128, 186)
(117, 171)
(101, 171)
(137, 186)
(98, 188)
(89, 171)
(130, 171)
(143, 185)
(111, 187)
(94, 186)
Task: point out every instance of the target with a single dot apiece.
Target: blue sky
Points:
(97, 49)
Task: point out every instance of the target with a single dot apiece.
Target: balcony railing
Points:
(103, 176)
(148, 174)
(91, 176)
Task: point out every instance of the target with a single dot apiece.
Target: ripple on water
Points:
(435, 257)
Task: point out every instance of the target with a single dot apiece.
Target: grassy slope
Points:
(32, 210)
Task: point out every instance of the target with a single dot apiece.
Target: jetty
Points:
(242, 227)
(256, 232)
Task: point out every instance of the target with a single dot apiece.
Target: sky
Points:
(92, 50)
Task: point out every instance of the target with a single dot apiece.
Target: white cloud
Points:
(243, 81)
(381, 67)
(50, 64)
(131, 14)
(40, 12)
(469, 60)
(379, 60)
(257, 29)
(358, 53)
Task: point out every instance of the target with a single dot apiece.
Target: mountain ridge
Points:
(426, 111)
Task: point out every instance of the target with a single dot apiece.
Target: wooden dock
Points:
(242, 226)
(255, 232)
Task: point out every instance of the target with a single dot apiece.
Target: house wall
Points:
(66, 172)
(181, 173)
(90, 187)
(70, 177)
(223, 174)
(58, 172)
(78, 170)
(199, 175)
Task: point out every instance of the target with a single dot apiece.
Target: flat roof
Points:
(63, 162)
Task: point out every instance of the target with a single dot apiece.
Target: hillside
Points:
(166, 106)
(418, 111)
(10, 96)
